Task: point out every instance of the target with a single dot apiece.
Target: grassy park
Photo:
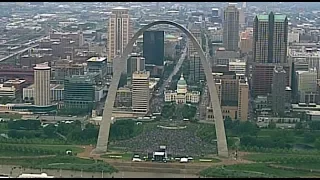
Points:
(60, 162)
(28, 143)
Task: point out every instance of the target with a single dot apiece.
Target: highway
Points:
(23, 50)
(16, 53)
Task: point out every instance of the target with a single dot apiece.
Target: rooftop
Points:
(263, 17)
(52, 86)
(120, 9)
(81, 78)
(6, 88)
(313, 113)
(43, 66)
(279, 17)
(97, 59)
(15, 81)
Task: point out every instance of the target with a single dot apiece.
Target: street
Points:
(55, 118)
(157, 101)
(6, 169)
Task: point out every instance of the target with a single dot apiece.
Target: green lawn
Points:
(7, 153)
(14, 150)
(263, 168)
(61, 162)
(283, 157)
(3, 126)
(303, 165)
(221, 172)
(74, 149)
(33, 141)
(253, 170)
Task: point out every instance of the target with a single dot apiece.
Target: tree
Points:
(123, 129)
(299, 125)
(244, 128)
(317, 144)
(168, 110)
(309, 137)
(228, 124)
(49, 130)
(314, 125)
(272, 125)
(5, 100)
(188, 111)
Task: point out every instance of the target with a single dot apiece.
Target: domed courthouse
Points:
(181, 95)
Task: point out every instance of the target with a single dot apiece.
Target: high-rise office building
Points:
(233, 93)
(215, 15)
(42, 74)
(97, 65)
(140, 91)
(195, 29)
(231, 28)
(153, 47)
(306, 86)
(195, 68)
(135, 63)
(278, 90)
(270, 38)
(215, 12)
(79, 92)
(262, 75)
(119, 32)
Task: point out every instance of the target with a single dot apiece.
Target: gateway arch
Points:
(119, 66)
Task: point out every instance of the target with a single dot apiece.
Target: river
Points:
(6, 169)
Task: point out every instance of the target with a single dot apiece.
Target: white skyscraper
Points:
(42, 84)
(140, 91)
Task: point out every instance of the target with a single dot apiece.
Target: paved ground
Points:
(140, 168)
(54, 118)
(6, 169)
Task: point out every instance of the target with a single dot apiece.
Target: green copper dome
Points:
(181, 81)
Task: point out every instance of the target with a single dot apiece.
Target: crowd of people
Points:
(178, 142)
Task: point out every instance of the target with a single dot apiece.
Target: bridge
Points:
(8, 45)
(30, 43)
(18, 53)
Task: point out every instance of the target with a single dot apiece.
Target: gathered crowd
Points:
(178, 142)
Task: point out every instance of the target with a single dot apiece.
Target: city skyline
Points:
(135, 89)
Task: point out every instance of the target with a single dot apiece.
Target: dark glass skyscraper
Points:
(153, 47)
(79, 92)
(270, 38)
